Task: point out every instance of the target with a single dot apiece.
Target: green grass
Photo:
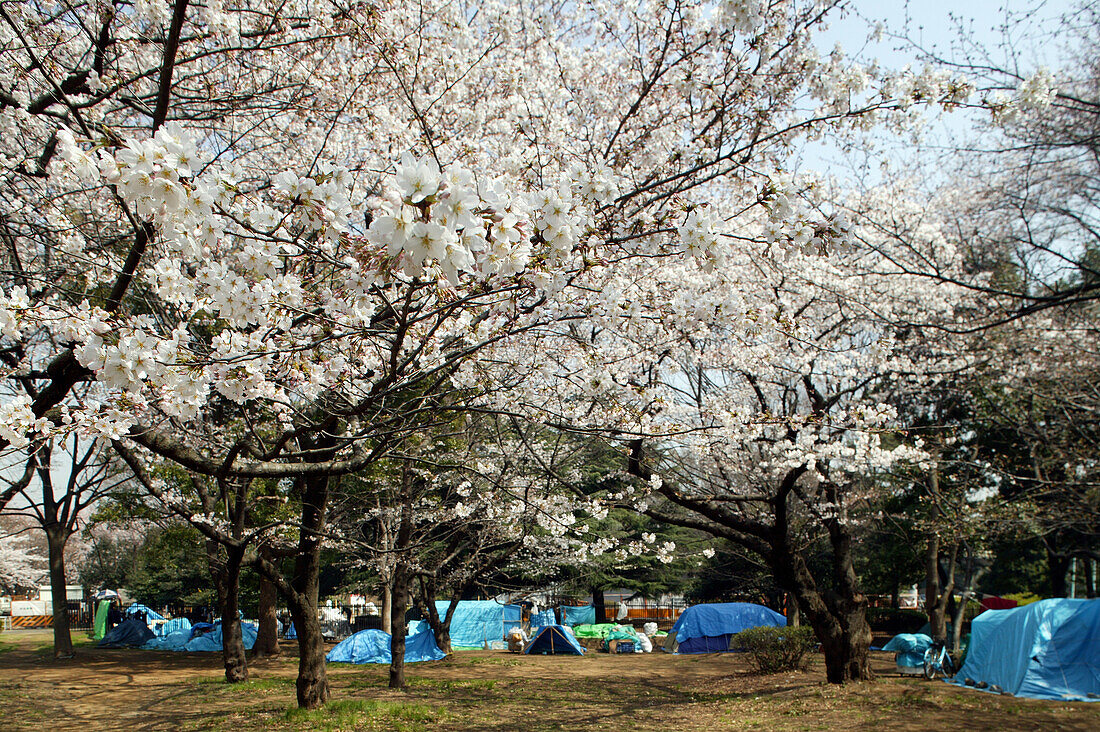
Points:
(352, 714)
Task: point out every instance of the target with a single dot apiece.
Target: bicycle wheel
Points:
(930, 664)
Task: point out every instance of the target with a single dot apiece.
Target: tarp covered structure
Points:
(546, 617)
(175, 625)
(130, 632)
(150, 613)
(1045, 650)
(182, 640)
(554, 639)
(708, 628)
(910, 648)
(477, 622)
(373, 646)
(582, 615)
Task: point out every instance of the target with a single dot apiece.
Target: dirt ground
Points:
(488, 690)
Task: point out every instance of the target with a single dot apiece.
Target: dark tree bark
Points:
(267, 636)
(387, 603)
(56, 537)
(441, 627)
(936, 599)
(312, 685)
(400, 597)
(599, 605)
(233, 651)
(1058, 566)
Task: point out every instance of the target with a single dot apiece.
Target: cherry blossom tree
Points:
(214, 215)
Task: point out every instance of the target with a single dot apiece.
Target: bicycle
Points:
(938, 660)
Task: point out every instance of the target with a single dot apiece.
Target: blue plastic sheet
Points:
(373, 646)
(546, 617)
(554, 639)
(150, 613)
(175, 625)
(1046, 650)
(582, 615)
(476, 622)
(707, 628)
(181, 640)
(910, 648)
(130, 632)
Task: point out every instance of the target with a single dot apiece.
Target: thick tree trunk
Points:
(62, 639)
(398, 606)
(840, 619)
(233, 651)
(387, 604)
(441, 626)
(599, 605)
(312, 684)
(267, 636)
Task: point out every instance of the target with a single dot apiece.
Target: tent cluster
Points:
(373, 646)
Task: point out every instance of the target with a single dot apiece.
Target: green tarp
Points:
(100, 626)
(588, 630)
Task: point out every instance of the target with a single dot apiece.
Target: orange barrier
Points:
(32, 621)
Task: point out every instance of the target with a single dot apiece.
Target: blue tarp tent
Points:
(546, 617)
(130, 632)
(181, 640)
(175, 625)
(583, 615)
(373, 646)
(477, 622)
(910, 648)
(1045, 650)
(707, 628)
(554, 639)
(150, 613)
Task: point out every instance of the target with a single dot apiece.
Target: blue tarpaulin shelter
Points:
(181, 640)
(910, 648)
(477, 622)
(373, 646)
(150, 613)
(1045, 650)
(130, 632)
(546, 617)
(708, 628)
(583, 615)
(554, 639)
(175, 625)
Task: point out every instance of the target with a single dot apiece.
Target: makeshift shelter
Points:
(546, 617)
(1045, 650)
(373, 646)
(708, 628)
(186, 639)
(478, 622)
(130, 632)
(554, 639)
(175, 625)
(582, 615)
(150, 613)
(909, 649)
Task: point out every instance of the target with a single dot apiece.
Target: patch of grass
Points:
(347, 714)
(452, 684)
(252, 685)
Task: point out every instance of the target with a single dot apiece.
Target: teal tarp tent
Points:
(373, 646)
(583, 615)
(477, 622)
(181, 640)
(1046, 650)
(554, 639)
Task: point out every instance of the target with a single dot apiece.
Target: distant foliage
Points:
(772, 650)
